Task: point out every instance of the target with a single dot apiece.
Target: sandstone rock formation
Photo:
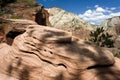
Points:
(45, 53)
(26, 9)
(111, 22)
(10, 28)
(29, 9)
(67, 21)
(102, 73)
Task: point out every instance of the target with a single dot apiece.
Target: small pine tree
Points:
(101, 38)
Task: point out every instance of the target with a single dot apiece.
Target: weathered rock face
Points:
(26, 9)
(44, 53)
(10, 28)
(67, 21)
(102, 73)
(111, 23)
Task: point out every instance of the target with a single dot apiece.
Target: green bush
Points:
(101, 38)
(29, 2)
(117, 55)
(1, 12)
(15, 17)
(3, 3)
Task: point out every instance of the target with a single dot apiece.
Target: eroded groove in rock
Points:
(47, 61)
(43, 58)
(61, 64)
(100, 66)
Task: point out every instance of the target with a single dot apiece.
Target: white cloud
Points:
(113, 8)
(115, 14)
(100, 9)
(96, 6)
(99, 14)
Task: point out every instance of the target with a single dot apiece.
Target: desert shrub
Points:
(29, 3)
(101, 38)
(15, 17)
(117, 55)
(0, 7)
(5, 2)
(1, 2)
(1, 12)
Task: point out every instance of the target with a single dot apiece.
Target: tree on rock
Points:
(42, 17)
(101, 38)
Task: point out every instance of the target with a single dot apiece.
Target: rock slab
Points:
(45, 53)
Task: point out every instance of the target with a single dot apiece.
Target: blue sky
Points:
(93, 11)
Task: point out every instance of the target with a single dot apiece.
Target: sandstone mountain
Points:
(31, 51)
(62, 19)
(112, 25)
(45, 53)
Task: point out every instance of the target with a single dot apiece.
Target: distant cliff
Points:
(111, 22)
(68, 21)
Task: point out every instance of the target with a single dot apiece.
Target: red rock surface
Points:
(44, 53)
